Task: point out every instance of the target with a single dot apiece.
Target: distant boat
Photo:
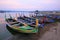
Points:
(54, 17)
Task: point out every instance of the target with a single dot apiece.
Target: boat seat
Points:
(32, 26)
(11, 20)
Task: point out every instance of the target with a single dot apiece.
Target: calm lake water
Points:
(4, 33)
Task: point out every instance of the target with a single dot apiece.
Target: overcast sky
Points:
(29, 4)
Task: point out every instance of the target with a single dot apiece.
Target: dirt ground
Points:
(52, 33)
(49, 32)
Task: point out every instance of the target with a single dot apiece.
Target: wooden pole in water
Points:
(16, 17)
(10, 16)
(5, 15)
(36, 22)
(19, 14)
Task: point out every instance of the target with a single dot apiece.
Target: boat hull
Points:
(20, 31)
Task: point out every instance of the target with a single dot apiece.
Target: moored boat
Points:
(20, 26)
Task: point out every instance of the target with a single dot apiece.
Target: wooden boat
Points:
(21, 27)
(27, 20)
(31, 21)
(46, 20)
(54, 17)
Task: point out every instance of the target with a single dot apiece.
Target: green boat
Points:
(20, 26)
